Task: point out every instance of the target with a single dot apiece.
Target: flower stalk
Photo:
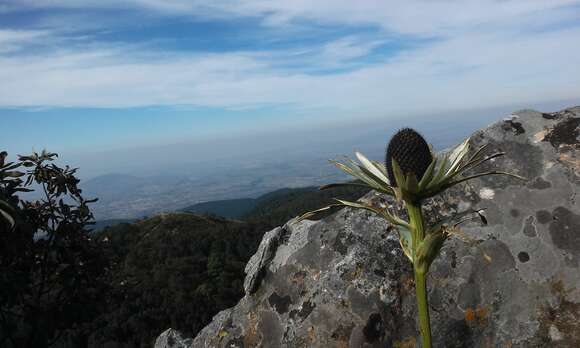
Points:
(417, 224)
(423, 307)
(411, 174)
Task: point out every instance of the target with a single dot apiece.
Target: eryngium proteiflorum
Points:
(410, 151)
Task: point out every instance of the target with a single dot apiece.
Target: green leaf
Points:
(495, 172)
(14, 174)
(11, 165)
(371, 167)
(441, 170)
(365, 172)
(22, 189)
(398, 173)
(406, 241)
(412, 184)
(312, 213)
(457, 156)
(455, 219)
(381, 167)
(429, 249)
(355, 172)
(477, 154)
(380, 185)
(426, 179)
(381, 212)
(477, 163)
(364, 175)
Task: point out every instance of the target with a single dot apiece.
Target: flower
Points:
(412, 180)
(412, 173)
(410, 151)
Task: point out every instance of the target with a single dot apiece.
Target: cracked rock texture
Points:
(344, 282)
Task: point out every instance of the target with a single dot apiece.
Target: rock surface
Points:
(172, 339)
(344, 282)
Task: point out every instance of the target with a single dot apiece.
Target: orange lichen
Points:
(311, 334)
(469, 316)
(477, 316)
(251, 337)
(481, 313)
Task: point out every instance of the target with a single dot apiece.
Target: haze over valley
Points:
(146, 181)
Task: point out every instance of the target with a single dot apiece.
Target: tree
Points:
(50, 268)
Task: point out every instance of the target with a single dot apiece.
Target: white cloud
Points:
(13, 40)
(487, 53)
(420, 17)
(465, 72)
(346, 48)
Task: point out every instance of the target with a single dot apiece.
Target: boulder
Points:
(344, 282)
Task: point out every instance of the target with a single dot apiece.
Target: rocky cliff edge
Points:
(344, 282)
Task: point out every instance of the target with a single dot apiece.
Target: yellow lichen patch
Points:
(357, 272)
(409, 342)
(222, 333)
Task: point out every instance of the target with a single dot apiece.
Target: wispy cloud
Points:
(471, 54)
(413, 16)
(14, 40)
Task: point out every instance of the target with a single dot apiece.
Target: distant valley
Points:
(129, 197)
(248, 208)
(197, 179)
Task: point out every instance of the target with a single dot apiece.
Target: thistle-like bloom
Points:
(411, 182)
(412, 173)
(410, 151)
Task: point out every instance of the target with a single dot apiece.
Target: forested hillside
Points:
(173, 270)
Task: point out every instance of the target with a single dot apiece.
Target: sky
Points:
(87, 76)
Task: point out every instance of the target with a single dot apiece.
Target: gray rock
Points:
(344, 282)
(258, 262)
(172, 339)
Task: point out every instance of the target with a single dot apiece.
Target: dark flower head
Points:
(411, 152)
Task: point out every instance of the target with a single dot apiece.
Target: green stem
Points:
(423, 308)
(418, 230)
(417, 226)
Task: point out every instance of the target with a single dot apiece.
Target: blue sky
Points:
(101, 75)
